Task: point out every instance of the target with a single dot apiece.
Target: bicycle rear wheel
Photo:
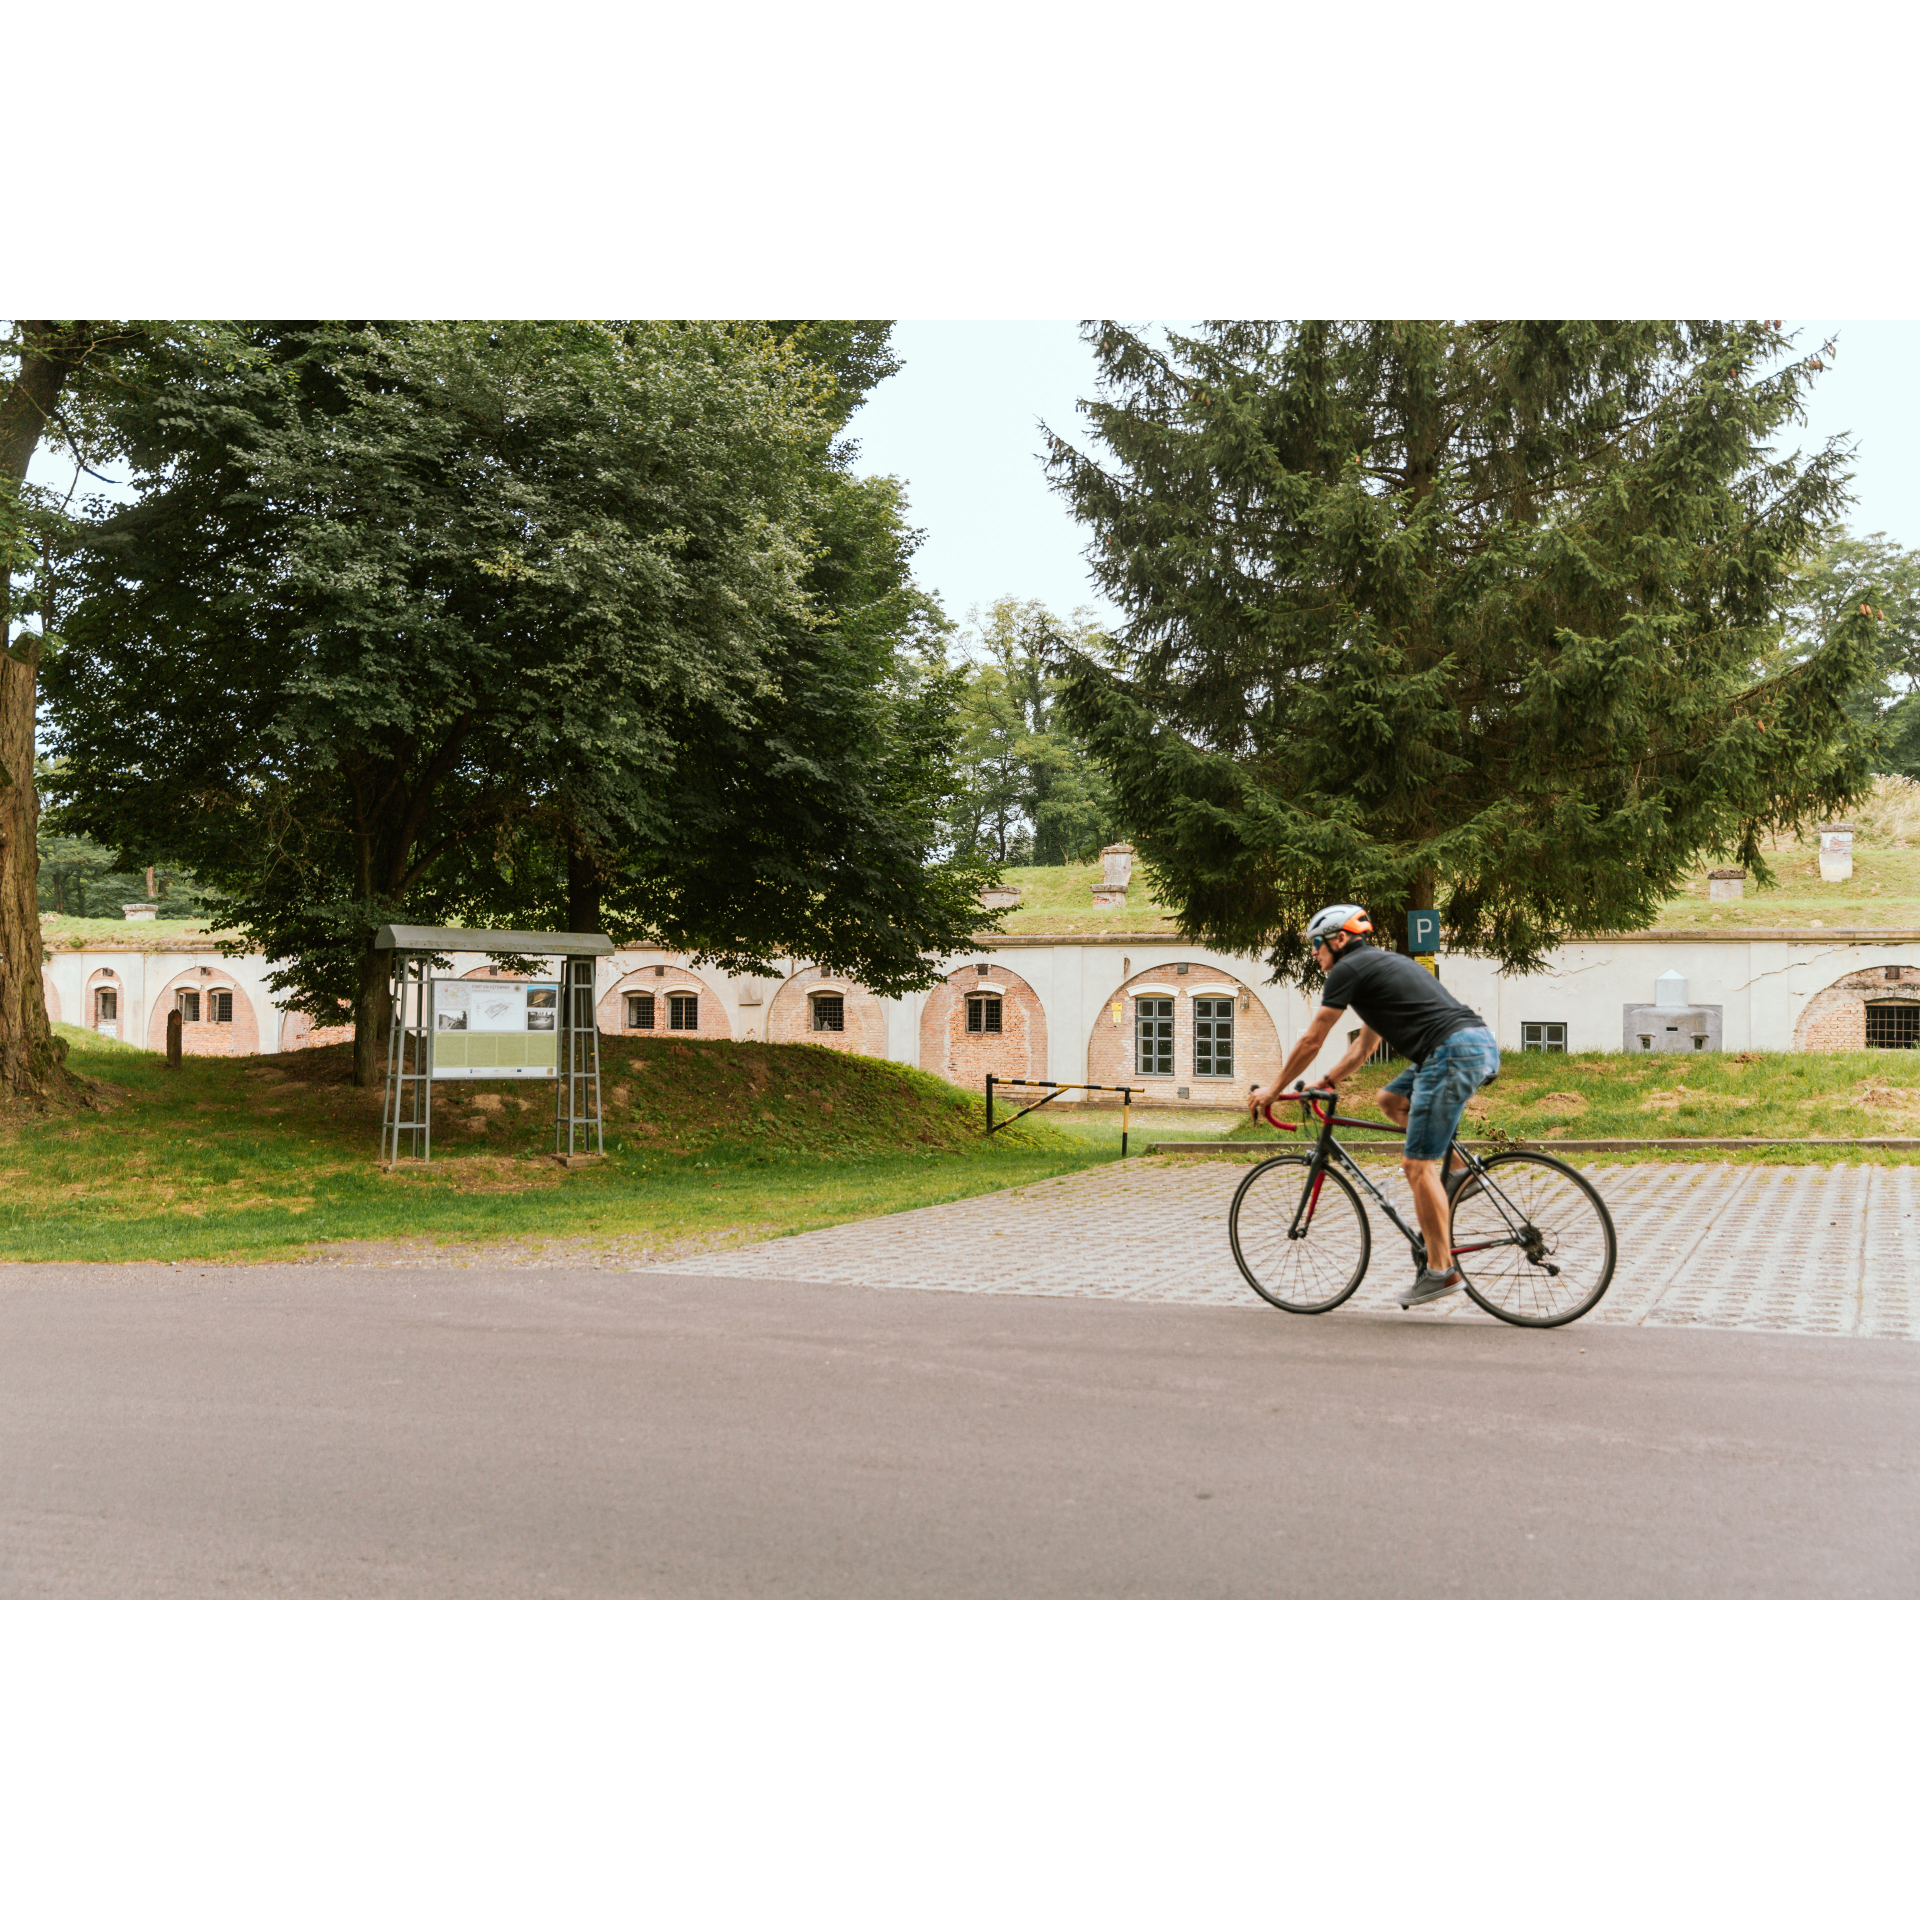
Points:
(1533, 1240)
(1315, 1271)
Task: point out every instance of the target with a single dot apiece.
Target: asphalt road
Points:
(303, 1431)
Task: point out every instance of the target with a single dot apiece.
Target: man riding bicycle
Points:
(1452, 1051)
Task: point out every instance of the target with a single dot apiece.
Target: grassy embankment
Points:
(67, 930)
(1617, 1096)
(709, 1145)
(1884, 890)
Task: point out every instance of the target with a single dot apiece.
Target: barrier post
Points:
(173, 1038)
(1126, 1108)
(989, 1106)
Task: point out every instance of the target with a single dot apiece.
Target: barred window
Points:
(829, 1013)
(640, 1011)
(188, 1001)
(1543, 1036)
(1153, 1037)
(1893, 1023)
(1213, 1039)
(107, 1004)
(220, 1005)
(683, 1012)
(983, 1013)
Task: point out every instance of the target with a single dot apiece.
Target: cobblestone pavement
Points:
(1828, 1250)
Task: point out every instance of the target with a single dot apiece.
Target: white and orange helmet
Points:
(1331, 920)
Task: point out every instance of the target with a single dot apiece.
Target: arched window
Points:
(683, 1013)
(640, 1012)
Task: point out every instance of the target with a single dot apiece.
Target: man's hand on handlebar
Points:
(1260, 1101)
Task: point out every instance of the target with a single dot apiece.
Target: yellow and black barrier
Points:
(1059, 1087)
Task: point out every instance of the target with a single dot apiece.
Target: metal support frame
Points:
(1059, 1087)
(576, 1087)
(408, 1105)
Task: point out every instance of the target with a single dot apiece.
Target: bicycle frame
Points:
(1328, 1151)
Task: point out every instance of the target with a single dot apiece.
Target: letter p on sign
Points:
(1423, 930)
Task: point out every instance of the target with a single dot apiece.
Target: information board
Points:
(495, 1030)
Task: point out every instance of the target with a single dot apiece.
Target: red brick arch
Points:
(1257, 1052)
(90, 1000)
(1017, 1052)
(790, 1017)
(203, 1036)
(661, 980)
(297, 1032)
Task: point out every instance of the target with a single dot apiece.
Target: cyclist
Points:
(1452, 1051)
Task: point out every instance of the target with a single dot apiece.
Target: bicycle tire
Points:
(1316, 1272)
(1560, 1275)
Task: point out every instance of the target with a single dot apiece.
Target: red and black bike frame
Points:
(1324, 1105)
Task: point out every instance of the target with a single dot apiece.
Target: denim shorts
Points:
(1438, 1089)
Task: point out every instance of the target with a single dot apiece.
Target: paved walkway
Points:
(1827, 1250)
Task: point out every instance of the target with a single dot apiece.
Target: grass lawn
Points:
(710, 1144)
(67, 930)
(1617, 1096)
(1884, 890)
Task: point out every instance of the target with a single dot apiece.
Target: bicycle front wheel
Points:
(1300, 1240)
(1533, 1240)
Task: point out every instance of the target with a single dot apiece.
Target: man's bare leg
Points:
(1430, 1206)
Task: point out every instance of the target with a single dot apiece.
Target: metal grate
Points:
(1893, 1023)
(983, 1013)
(683, 1013)
(829, 1013)
(640, 1012)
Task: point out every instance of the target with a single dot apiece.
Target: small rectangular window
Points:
(1153, 1038)
(220, 1005)
(640, 1012)
(1543, 1036)
(1213, 1039)
(109, 1004)
(188, 1002)
(683, 1013)
(829, 1013)
(983, 1013)
(1893, 1024)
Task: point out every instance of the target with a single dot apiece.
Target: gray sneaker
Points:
(1432, 1286)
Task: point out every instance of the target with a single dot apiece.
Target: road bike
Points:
(1532, 1239)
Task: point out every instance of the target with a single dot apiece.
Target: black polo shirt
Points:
(1398, 998)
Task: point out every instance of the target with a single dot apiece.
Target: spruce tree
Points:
(1482, 615)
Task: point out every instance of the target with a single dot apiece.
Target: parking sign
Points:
(1423, 930)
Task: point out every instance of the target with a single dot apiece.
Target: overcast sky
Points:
(960, 425)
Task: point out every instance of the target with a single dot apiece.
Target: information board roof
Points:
(488, 940)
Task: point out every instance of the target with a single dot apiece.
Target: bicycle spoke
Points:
(1534, 1241)
(1303, 1271)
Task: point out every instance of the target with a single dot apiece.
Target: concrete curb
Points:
(1305, 1139)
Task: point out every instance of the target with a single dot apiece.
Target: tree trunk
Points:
(372, 1018)
(32, 1058)
(585, 887)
